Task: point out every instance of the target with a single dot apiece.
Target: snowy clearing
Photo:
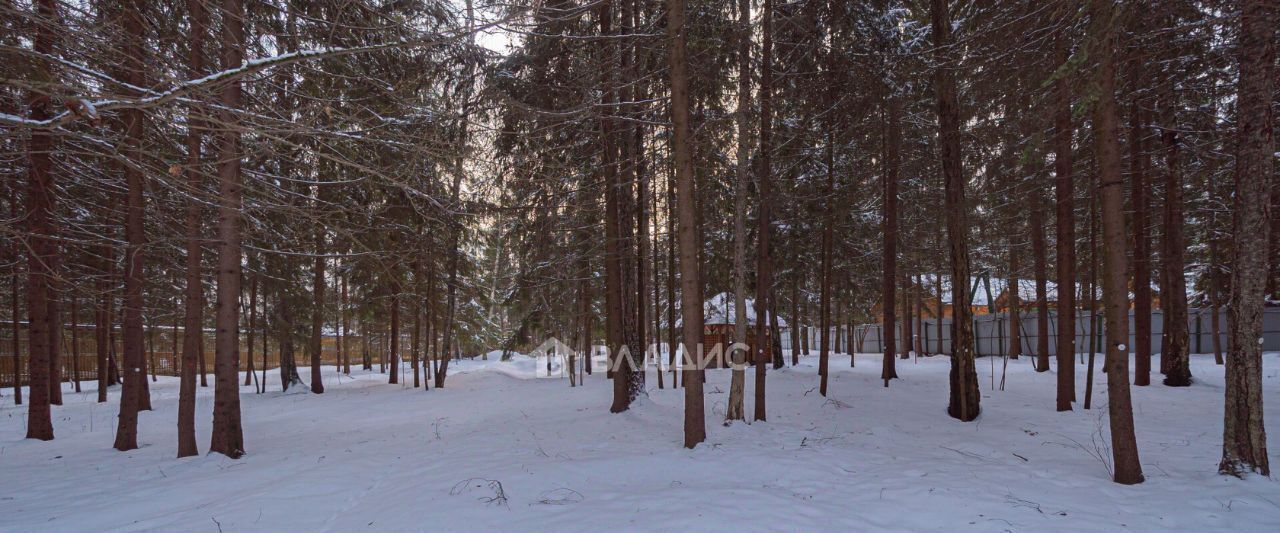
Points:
(497, 449)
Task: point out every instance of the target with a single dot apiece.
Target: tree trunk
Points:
(695, 430)
(101, 321)
(318, 285)
(346, 328)
(1092, 300)
(113, 372)
(1066, 233)
(775, 335)
(737, 387)
(1141, 248)
(1124, 446)
(151, 348)
(672, 341)
(641, 180)
(14, 314)
(393, 357)
(964, 404)
(584, 293)
(40, 198)
(657, 286)
(609, 168)
(204, 373)
(134, 376)
(796, 320)
(1175, 354)
(250, 373)
(904, 352)
(888, 299)
(265, 340)
(629, 375)
(1015, 305)
(228, 437)
(1244, 440)
(941, 307)
(193, 294)
(455, 231)
(1039, 251)
(764, 266)
(918, 316)
(75, 346)
(1215, 298)
(432, 327)
(55, 326)
(415, 341)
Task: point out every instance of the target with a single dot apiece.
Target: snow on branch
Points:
(77, 107)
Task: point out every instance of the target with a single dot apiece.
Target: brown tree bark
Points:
(1015, 306)
(346, 328)
(455, 230)
(415, 341)
(193, 295)
(584, 292)
(672, 340)
(1092, 295)
(609, 168)
(695, 430)
(908, 334)
(828, 236)
(250, 374)
(1066, 233)
(1175, 355)
(15, 317)
(737, 387)
(641, 180)
(393, 358)
(40, 198)
(629, 372)
(1039, 252)
(888, 299)
(1124, 446)
(151, 350)
(1215, 298)
(317, 303)
(228, 437)
(796, 319)
(941, 307)
(654, 270)
(918, 316)
(134, 363)
(1244, 438)
(55, 324)
(964, 403)
(102, 321)
(204, 372)
(1139, 190)
(14, 314)
(285, 336)
(75, 345)
(764, 265)
(775, 334)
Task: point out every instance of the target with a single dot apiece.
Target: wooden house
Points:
(719, 315)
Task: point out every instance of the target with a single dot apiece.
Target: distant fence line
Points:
(992, 333)
(161, 359)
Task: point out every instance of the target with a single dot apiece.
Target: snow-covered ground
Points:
(498, 449)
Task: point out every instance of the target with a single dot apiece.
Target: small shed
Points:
(719, 314)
